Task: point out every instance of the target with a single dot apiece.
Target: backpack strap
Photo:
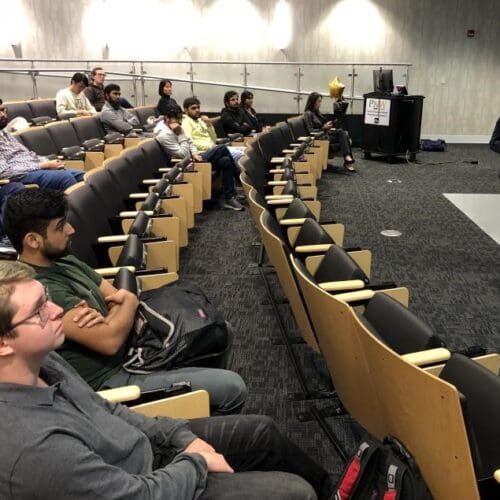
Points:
(356, 467)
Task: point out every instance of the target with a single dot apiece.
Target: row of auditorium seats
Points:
(390, 371)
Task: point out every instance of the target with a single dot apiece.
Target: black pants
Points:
(222, 161)
(339, 139)
(267, 465)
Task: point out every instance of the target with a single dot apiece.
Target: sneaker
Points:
(242, 199)
(233, 204)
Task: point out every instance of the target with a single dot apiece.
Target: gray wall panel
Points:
(458, 75)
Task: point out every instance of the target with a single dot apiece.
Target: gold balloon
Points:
(336, 88)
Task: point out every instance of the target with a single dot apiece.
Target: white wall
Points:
(458, 75)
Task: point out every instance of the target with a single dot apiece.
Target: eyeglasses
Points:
(42, 313)
(100, 74)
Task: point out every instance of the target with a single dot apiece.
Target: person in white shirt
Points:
(71, 101)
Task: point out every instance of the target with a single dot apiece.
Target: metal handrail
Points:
(139, 78)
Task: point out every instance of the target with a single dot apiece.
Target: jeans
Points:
(54, 179)
(5, 192)
(341, 138)
(226, 388)
(222, 161)
(267, 465)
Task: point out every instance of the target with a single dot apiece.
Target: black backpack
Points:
(382, 471)
(176, 325)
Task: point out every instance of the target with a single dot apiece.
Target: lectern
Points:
(391, 124)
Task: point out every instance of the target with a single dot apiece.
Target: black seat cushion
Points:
(481, 389)
(132, 253)
(398, 327)
(312, 233)
(338, 265)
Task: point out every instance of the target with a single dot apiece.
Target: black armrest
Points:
(223, 140)
(147, 272)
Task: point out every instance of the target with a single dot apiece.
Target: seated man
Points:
(116, 118)
(202, 132)
(495, 138)
(98, 318)
(71, 101)
(177, 144)
(60, 440)
(95, 91)
(232, 116)
(19, 164)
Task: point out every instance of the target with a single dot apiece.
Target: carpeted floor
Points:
(450, 265)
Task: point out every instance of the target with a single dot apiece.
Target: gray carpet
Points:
(450, 266)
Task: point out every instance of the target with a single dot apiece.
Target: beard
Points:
(52, 253)
(3, 122)
(115, 104)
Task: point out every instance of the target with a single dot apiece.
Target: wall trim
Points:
(459, 139)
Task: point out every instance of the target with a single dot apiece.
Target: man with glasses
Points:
(95, 91)
(60, 440)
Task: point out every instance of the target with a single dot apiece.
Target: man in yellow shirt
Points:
(200, 129)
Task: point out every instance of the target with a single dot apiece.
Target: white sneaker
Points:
(233, 204)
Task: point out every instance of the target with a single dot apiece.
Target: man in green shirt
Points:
(97, 317)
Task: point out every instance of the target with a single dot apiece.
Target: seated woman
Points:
(166, 99)
(246, 104)
(315, 121)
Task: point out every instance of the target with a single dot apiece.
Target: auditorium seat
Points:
(39, 140)
(19, 108)
(43, 110)
(89, 128)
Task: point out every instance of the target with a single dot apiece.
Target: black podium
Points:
(391, 124)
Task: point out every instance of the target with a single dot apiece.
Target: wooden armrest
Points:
(323, 247)
(496, 475)
(303, 138)
(333, 286)
(114, 238)
(151, 181)
(292, 222)
(355, 296)
(194, 404)
(164, 170)
(121, 394)
(295, 145)
(428, 357)
(277, 171)
(4, 181)
(279, 196)
(277, 183)
(288, 151)
(278, 159)
(112, 271)
(133, 213)
(279, 201)
(138, 196)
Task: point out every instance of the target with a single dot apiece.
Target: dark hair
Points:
(110, 88)
(162, 84)
(189, 101)
(95, 70)
(228, 95)
(80, 77)
(246, 94)
(172, 111)
(311, 101)
(31, 210)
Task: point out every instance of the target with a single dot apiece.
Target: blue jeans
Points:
(226, 388)
(5, 191)
(54, 179)
(222, 161)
